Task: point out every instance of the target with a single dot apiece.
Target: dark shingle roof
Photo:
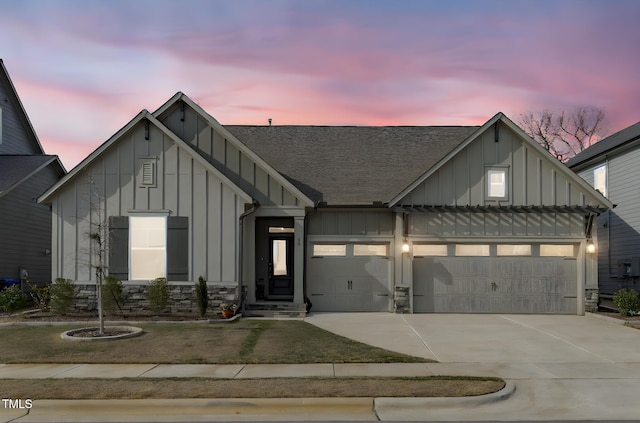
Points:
(619, 138)
(14, 168)
(349, 165)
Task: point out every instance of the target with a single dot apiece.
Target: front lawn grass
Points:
(435, 386)
(244, 341)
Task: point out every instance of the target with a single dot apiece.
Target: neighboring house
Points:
(25, 173)
(404, 219)
(611, 166)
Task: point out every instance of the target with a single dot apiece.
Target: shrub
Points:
(12, 299)
(158, 294)
(112, 296)
(627, 301)
(40, 296)
(62, 293)
(202, 296)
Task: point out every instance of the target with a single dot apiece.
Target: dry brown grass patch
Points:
(248, 388)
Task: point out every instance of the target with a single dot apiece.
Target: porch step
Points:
(275, 310)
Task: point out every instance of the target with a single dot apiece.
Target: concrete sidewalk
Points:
(236, 409)
(510, 371)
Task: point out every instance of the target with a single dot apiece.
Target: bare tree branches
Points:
(565, 133)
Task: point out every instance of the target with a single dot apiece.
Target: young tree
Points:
(565, 133)
(99, 235)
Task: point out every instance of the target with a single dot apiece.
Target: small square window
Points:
(497, 183)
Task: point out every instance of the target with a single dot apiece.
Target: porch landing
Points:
(275, 309)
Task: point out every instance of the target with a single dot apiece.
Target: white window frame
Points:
(601, 171)
(490, 187)
(135, 274)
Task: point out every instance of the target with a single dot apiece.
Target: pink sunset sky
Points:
(83, 69)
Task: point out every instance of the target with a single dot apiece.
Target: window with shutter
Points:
(147, 247)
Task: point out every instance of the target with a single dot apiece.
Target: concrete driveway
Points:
(490, 338)
(563, 367)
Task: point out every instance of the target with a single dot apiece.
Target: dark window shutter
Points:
(119, 247)
(177, 248)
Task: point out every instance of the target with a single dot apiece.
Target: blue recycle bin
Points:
(7, 282)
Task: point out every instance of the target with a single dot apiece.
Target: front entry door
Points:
(280, 284)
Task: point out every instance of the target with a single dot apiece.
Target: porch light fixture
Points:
(405, 246)
(591, 247)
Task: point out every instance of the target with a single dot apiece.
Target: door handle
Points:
(349, 284)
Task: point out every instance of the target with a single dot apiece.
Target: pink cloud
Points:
(424, 63)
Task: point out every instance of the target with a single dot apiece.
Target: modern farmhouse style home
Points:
(395, 219)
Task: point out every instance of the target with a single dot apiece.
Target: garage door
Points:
(473, 278)
(349, 277)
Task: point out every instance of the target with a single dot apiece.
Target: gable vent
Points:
(148, 173)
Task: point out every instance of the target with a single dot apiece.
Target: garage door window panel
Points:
(557, 250)
(515, 250)
(472, 250)
(329, 250)
(430, 250)
(370, 250)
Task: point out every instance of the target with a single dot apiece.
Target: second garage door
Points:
(479, 279)
(349, 277)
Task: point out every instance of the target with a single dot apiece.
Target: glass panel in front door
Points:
(280, 265)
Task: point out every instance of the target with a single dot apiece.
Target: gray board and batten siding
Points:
(345, 199)
(201, 174)
(544, 205)
(231, 158)
(110, 184)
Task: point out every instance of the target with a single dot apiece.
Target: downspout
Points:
(254, 207)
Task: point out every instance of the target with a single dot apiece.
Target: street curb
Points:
(191, 410)
(390, 404)
(199, 410)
